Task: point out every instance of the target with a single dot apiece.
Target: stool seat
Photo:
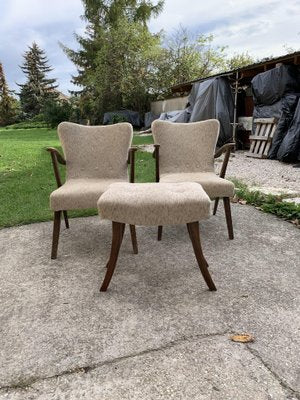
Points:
(152, 204)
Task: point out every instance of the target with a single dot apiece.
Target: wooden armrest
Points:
(131, 161)
(131, 151)
(57, 154)
(156, 150)
(156, 156)
(56, 157)
(223, 149)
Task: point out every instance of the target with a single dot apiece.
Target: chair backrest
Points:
(187, 147)
(96, 151)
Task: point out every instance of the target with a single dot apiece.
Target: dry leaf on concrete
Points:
(242, 338)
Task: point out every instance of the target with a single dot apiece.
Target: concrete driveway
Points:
(157, 333)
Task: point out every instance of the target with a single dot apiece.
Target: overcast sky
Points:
(260, 27)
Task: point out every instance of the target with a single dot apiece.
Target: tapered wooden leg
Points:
(117, 237)
(159, 232)
(133, 239)
(216, 205)
(226, 202)
(66, 219)
(56, 230)
(193, 229)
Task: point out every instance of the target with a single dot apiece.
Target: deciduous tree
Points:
(115, 61)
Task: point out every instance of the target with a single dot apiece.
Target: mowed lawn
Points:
(26, 174)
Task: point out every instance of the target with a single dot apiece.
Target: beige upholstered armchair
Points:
(186, 152)
(95, 157)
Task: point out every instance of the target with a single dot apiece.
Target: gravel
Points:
(269, 175)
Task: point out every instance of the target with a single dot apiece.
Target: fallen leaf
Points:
(243, 202)
(242, 338)
(235, 199)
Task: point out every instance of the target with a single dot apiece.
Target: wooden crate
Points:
(262, 139)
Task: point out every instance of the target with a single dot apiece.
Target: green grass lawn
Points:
(26, 178)
(26, 175)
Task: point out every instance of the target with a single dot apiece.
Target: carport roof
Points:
(249, 71)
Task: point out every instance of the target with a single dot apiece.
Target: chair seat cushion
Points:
(213, 185)
(78, 194)
(154, 203)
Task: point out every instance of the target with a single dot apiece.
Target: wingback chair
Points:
(95, 157)
(185, 152)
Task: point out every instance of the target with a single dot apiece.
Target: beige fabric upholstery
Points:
(213, 185)
(98, 152)
(96, 156)
(154, 204)
(78, 194)
(186, 147)
(186, 154)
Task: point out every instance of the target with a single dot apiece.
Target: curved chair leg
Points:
(117, 237)
(55, 237)
(193, 229)
(159, 232)
(133, 239)
(66, 219)
(216, 205)
(226, 202)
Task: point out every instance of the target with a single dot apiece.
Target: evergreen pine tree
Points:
(7, 102)
(37, 88)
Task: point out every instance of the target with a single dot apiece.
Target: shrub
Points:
(117, 118)
(57, 111)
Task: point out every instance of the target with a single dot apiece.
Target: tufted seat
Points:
(152, 204)
(213, 185)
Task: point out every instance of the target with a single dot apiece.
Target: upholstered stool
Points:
(152, 204)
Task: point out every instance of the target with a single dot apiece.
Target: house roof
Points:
(246, 72)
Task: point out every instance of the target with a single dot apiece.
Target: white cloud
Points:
(260, 27)
(37, 13)
(46, 22)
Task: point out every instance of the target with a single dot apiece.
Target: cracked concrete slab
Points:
(54, 320)
(202, 368)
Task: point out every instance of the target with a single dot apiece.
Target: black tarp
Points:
(176, 116)
(133, 117)
(213, 98)
(270, 86)
(288, 106)
(276, 95)
(289, 150)
(209, 99)
(268, 111)
(149, 118)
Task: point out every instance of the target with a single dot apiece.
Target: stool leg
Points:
(159, 233)
(226, 202)
(216, 205)
(133, 239)
(55, 235)
(66, 219)
(193, 229)
(117, 237)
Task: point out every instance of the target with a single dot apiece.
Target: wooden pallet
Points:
(262, 139)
